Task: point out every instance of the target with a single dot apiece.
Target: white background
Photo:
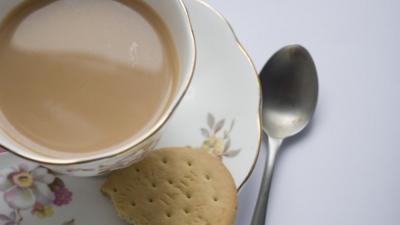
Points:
(345, 169)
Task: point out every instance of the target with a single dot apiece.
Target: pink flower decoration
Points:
(25, 185)
(63, 196)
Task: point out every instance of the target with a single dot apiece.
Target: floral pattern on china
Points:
(217, 140)
(34, 189)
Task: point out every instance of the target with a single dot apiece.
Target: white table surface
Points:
(344, 170)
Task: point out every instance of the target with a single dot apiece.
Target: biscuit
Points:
(174, 186)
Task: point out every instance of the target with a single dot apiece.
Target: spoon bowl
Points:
(290, 89)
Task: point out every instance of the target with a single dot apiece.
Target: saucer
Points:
(219, 115)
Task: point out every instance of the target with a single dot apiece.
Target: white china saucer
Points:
(219, 114)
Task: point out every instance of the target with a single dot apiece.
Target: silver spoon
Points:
(290, 90)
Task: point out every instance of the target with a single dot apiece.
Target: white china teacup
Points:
(175, 16)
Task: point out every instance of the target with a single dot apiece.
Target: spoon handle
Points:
(262, 202)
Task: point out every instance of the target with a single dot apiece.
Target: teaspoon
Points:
(290, 91)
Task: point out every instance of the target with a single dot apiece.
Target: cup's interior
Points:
(174, 15)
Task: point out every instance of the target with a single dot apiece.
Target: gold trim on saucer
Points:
(246, 54)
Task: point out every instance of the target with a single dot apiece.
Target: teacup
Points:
(174, 15)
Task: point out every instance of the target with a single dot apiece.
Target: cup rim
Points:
(153, 130)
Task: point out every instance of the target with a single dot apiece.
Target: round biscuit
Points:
(174, 186)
